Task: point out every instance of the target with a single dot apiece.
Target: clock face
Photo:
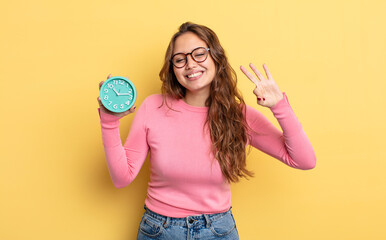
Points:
(118, 94)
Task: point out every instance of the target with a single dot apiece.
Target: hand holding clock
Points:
(266, 90)
(105, 110)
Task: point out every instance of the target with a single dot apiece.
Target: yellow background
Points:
(328, 56)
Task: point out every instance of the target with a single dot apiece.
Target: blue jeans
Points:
(205, 226)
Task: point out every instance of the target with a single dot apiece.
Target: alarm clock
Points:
(118, 94)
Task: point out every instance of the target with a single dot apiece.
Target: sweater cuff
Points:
(280, 104)
(286, 117)
(108, 120)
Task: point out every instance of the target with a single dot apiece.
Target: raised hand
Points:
(102, 108)
(266, 91)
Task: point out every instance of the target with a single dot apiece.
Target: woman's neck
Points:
(196, 99)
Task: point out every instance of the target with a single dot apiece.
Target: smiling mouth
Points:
(194, 75)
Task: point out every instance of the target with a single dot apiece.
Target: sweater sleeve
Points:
(124, 161)
(291, 146)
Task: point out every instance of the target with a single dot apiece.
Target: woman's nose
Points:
(190, 63)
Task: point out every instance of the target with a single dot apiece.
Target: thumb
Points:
(99, 101)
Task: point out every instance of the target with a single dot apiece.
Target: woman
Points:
(197, 131)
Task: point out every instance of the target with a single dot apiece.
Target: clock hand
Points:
(124, 94)
(116, 92)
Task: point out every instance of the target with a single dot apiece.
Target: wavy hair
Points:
(226, 115)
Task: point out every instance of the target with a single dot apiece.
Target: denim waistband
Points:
(203, 219)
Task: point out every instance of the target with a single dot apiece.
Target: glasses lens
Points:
(200, 54)
(179, 60)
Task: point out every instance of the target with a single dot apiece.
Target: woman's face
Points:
(195, 77)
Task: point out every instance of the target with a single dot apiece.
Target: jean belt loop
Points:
(167, 222)
(207, 220)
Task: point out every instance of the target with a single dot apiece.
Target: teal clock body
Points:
(118, 94)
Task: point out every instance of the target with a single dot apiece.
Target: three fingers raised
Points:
(249, 75)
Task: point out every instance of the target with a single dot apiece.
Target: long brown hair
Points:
(226, 114)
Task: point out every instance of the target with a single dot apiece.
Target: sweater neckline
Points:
(183, 104)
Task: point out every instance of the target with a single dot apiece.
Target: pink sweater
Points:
(185, 180)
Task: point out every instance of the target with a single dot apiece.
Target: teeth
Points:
(194, 74)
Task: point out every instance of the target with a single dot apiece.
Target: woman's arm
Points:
(124, 162)
(291, 146)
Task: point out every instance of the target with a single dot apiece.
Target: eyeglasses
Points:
(199, 55)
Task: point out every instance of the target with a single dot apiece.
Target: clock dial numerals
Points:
(120, 82)
(118, 94)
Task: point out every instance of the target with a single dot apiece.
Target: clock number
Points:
(130, 91)
(110, 102)
(127, 103)
(110, 85)
(106, 97)
(121, 82)
(106, 90)
(130, 97)
(115, 106)
(122, 106)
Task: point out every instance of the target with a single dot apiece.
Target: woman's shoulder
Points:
(155, 101)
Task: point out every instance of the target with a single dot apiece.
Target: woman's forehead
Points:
(186, 42)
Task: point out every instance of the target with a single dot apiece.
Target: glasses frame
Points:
(186, 56)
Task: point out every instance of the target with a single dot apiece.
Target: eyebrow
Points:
(188, 52)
